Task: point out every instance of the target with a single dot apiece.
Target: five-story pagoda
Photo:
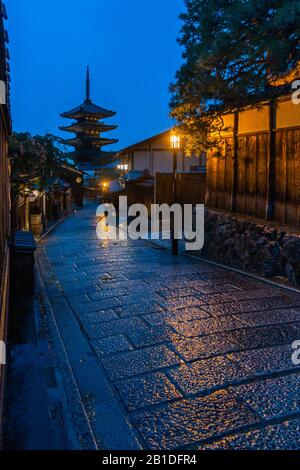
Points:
(88, 126)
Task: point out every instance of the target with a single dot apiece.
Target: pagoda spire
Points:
(88, 85)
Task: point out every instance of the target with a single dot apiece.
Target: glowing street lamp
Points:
(175, 141)
(175, 144)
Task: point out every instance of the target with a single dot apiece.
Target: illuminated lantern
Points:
(175, 141)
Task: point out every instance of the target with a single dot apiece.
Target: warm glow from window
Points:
(123, 167)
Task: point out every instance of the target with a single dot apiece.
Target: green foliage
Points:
(233, 51)
(34, 159)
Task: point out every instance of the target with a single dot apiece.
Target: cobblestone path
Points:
(163, 352)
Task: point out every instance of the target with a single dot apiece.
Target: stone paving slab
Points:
(180, 292)
(174, 317)
(171, 352)
(117, 327)
(139, 362)
(263, 336)
(91, 320)
(147, 390)
(272, 317)
(215, 299)
(259, 305)
(267, 360)
(107, 294)
(138, 308)
(206, 326)
(284, 436)
(205, 346)
(111, 345)
(189, 421)
(256, 294)
(207, 375)
(96, 306)
(154, 336)
(272, 398)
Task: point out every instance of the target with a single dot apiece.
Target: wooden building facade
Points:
(5, 131)
(257, 171)
(5, 205)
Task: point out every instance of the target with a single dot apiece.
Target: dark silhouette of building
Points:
(88, 127)
(5, 131)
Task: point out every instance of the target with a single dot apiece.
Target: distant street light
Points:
(124, 167)
(175, 143)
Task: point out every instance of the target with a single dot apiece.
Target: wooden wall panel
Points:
(287, 177)
(241, 176)
(220, 181)
(191, 188)
(292, 177)
(250, 174)
(219, 177)
(228, 172)
(261, 174)
(212, 184)
(280, 178)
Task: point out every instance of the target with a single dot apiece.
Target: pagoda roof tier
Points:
(92, 156)
(81, 127)
(89, 141)
(88, 109)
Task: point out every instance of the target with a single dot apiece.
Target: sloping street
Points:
(157, 352)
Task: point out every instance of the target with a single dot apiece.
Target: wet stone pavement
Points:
(164, 352)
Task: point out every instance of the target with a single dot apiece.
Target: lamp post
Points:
(175, 146)
(26, 208)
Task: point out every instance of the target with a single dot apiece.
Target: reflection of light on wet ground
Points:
(105, 243)
(104, 231)
(122, 230)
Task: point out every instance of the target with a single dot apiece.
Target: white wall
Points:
(155, 156)
(160, 161)
(140, 160)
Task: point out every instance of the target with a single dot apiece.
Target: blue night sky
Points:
(130, 46)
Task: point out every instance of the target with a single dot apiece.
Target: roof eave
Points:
(80, 114)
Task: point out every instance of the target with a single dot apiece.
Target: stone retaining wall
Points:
(249, 245)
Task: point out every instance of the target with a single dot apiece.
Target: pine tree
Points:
(234, 50)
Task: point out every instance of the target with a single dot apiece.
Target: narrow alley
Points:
(160, 352)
